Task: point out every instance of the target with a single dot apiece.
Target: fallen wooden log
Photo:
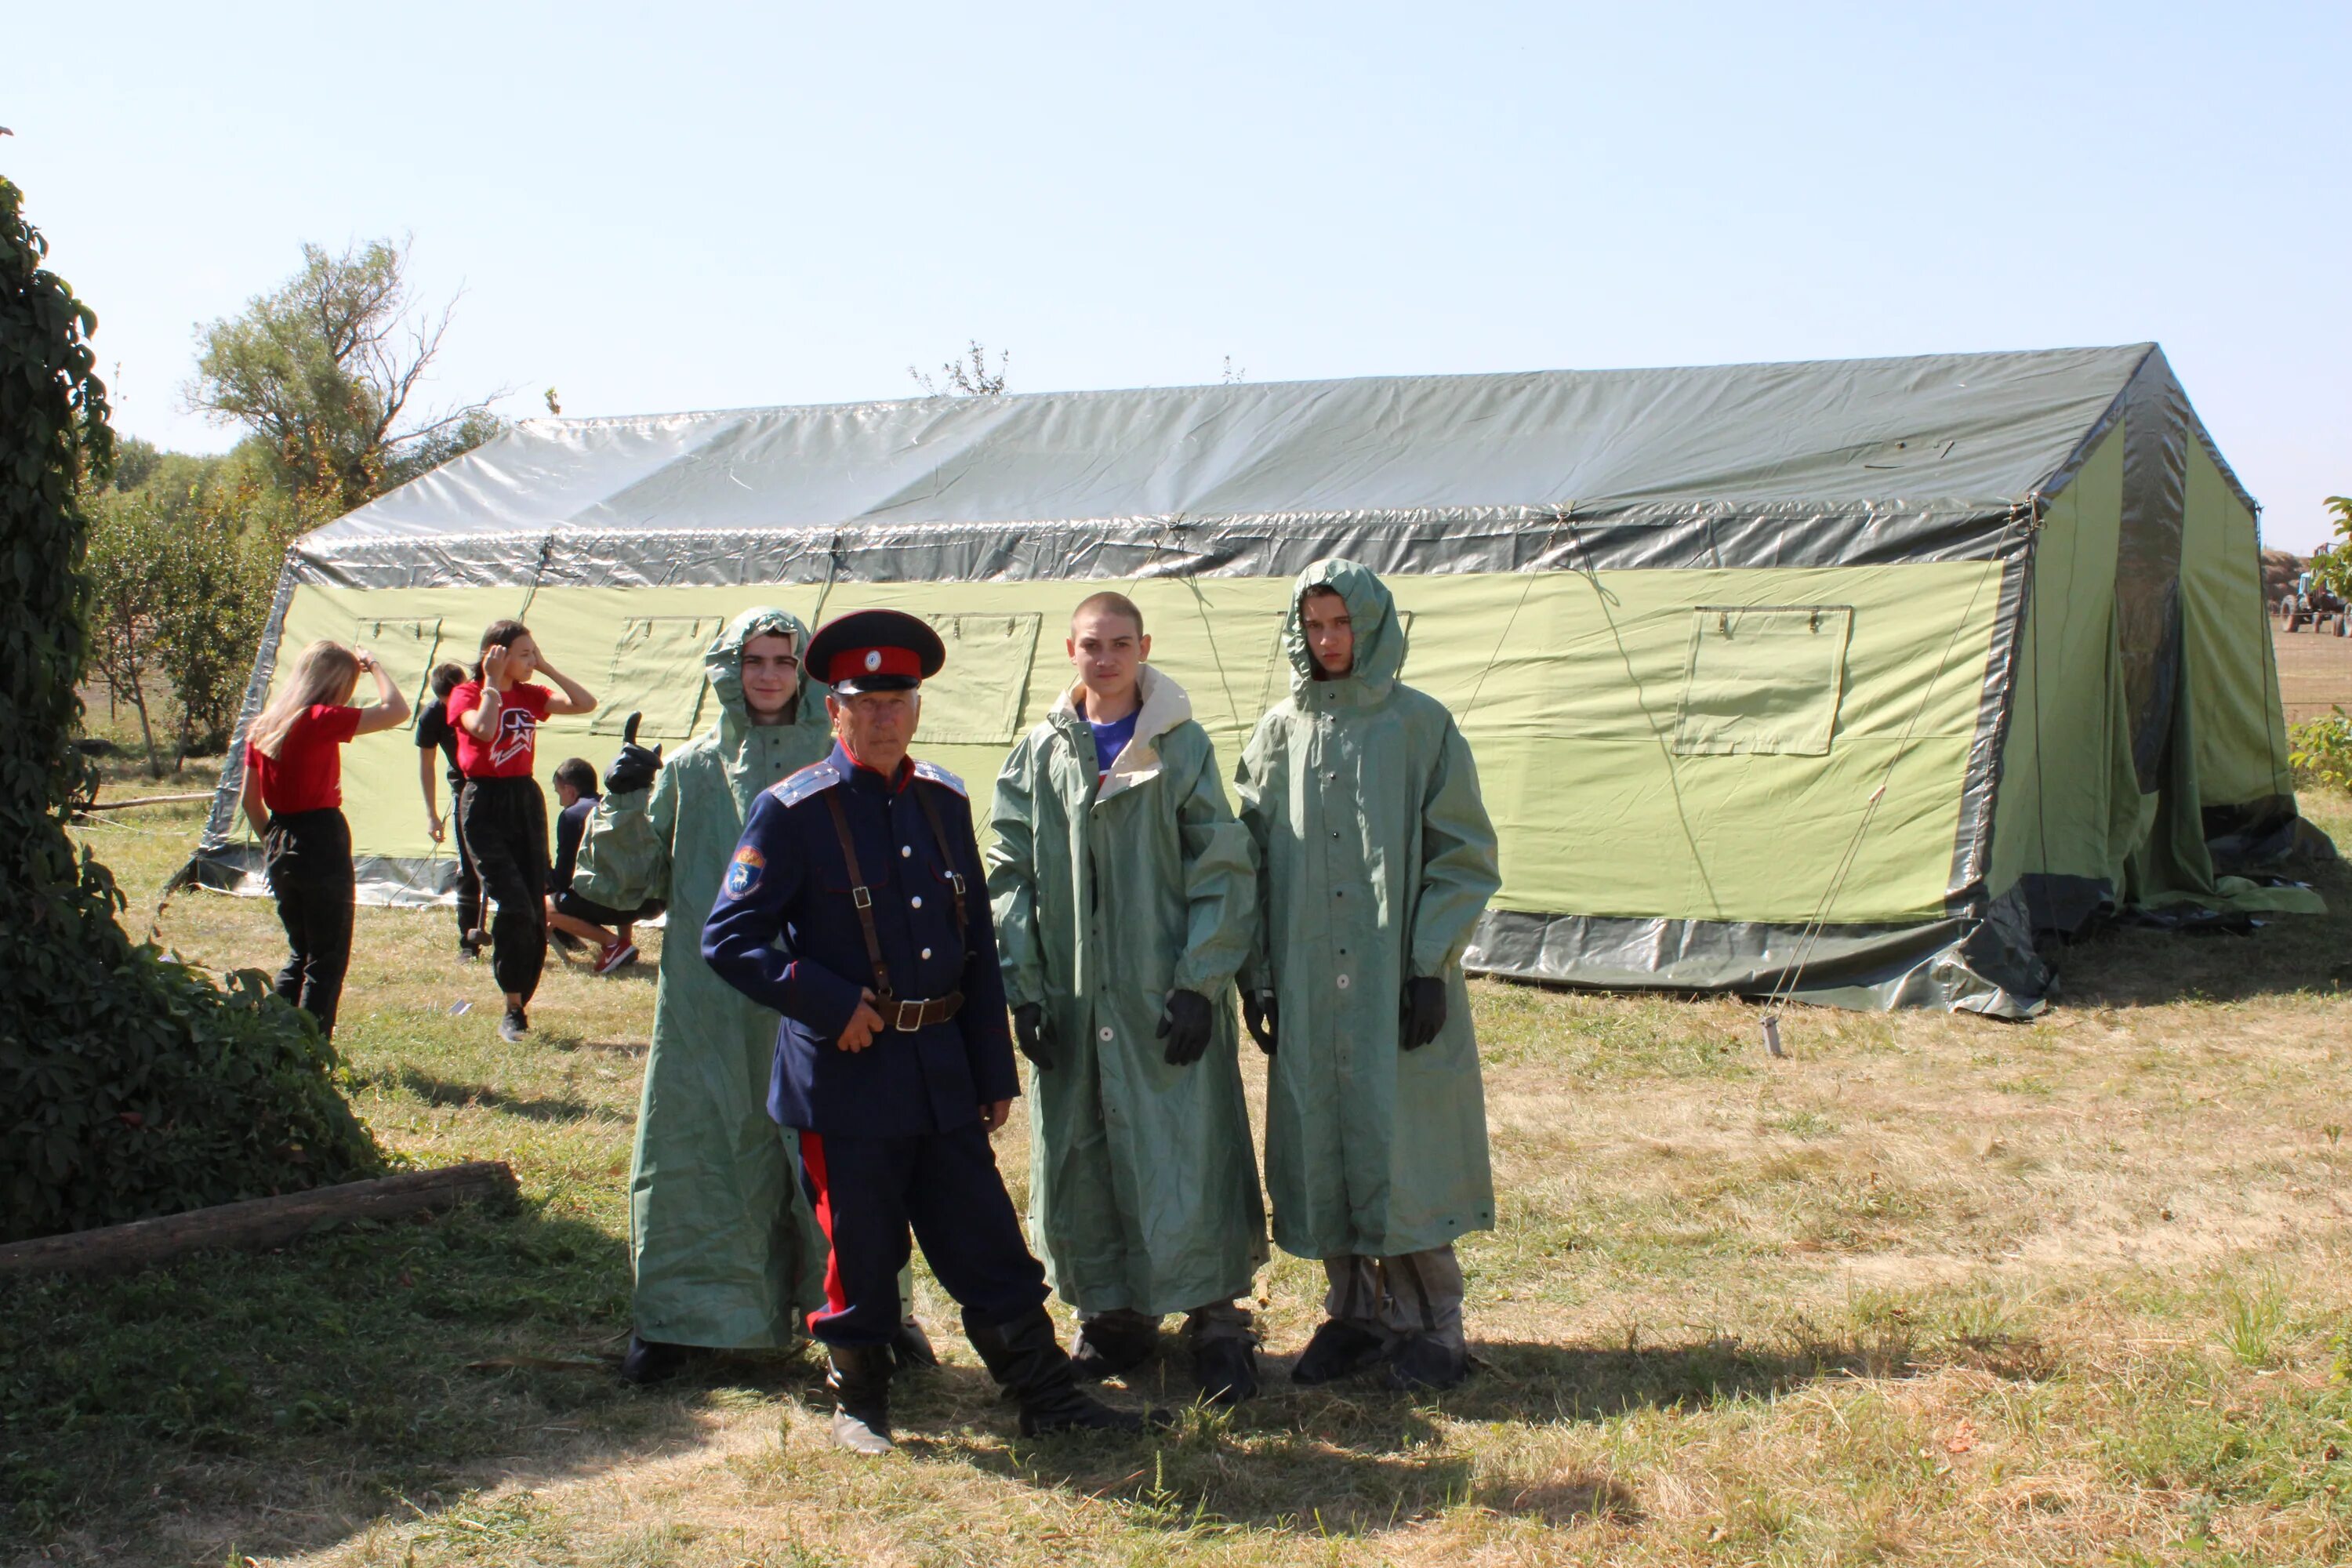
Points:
(257, 1223)
(142, 800)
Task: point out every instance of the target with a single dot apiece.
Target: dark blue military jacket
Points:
(785, 933)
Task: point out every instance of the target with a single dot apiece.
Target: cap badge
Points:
(873, 658)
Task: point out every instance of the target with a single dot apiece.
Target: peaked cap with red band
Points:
(875, 651)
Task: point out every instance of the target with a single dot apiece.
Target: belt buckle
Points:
(905, 1011)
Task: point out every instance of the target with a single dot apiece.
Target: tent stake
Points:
(1772, 1033)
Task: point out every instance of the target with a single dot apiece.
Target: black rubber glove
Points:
(1184, 1025)
(1259, 1012)
(1423, 1011)
(635, 768)
(1029, 1033)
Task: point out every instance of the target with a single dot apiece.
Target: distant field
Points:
(2315, 673)
(1934, 1289)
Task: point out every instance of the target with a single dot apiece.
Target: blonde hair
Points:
(325, 673)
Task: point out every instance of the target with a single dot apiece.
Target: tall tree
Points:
(326, 370)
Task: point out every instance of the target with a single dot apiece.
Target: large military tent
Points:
(1841, 678)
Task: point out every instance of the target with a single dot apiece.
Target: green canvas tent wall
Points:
(1877, 667)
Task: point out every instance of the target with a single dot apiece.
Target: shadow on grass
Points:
(1356, 1457)
(441, 1091)
(2138, 967)
(276, 1403)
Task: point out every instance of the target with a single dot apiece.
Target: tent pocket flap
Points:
(1763, 679)
(976, 699)
(656, 670)
(405, 648)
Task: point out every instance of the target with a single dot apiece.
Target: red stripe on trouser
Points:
(813, 1162)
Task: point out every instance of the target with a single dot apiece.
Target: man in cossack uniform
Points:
(854, 905)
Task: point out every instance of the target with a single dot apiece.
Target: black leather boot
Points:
(1113, 1345)
(860, 1383)
(1027, 1360)
(1227, 1370)
(651, 1361)
(1425, 1362)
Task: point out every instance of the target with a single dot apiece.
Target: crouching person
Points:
(854, 907)
(1122, 889)
(1375, 858)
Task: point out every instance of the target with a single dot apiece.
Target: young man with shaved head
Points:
(1122, 888)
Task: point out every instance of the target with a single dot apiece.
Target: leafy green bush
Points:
(2321, 751)
(129, 1085)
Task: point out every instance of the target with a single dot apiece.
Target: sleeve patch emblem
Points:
(744, 872)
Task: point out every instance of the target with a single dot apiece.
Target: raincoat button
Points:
(1103, 1032)
(1343, 982)
(917, 900)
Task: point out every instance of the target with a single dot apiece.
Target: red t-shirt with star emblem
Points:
(508, 754)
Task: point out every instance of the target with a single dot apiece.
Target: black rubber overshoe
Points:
(859, 1380)
(1108, 1347)
(652, 1360)
(1227, 1370)
(911, 1349)
(1425, 1363)
(1338, 1350)
(1027, 1360)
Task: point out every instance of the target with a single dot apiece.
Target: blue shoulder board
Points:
(817, 777)
(940, 776)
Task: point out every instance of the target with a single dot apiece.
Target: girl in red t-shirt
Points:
(500, 812)
(294, 799)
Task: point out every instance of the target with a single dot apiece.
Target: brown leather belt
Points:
(902, 1017)
(905, 1017)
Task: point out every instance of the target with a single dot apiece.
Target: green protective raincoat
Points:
(1143, 1189)
(1375, 857)
(725, 1249)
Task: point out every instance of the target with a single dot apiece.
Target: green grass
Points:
(1931, 1289)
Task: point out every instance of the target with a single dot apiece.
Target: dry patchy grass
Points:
(1934, 1289)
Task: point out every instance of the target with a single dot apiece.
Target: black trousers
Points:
(868, 1191)
(504, 822)
(308, 857)
(469, 880)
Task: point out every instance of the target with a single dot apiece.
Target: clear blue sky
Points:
(693, 206)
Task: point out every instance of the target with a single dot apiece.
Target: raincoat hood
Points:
(1162, 705)
(722, 662)
(1380, 635)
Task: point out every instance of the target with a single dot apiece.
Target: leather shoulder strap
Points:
(862, 897)
(947, 856)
